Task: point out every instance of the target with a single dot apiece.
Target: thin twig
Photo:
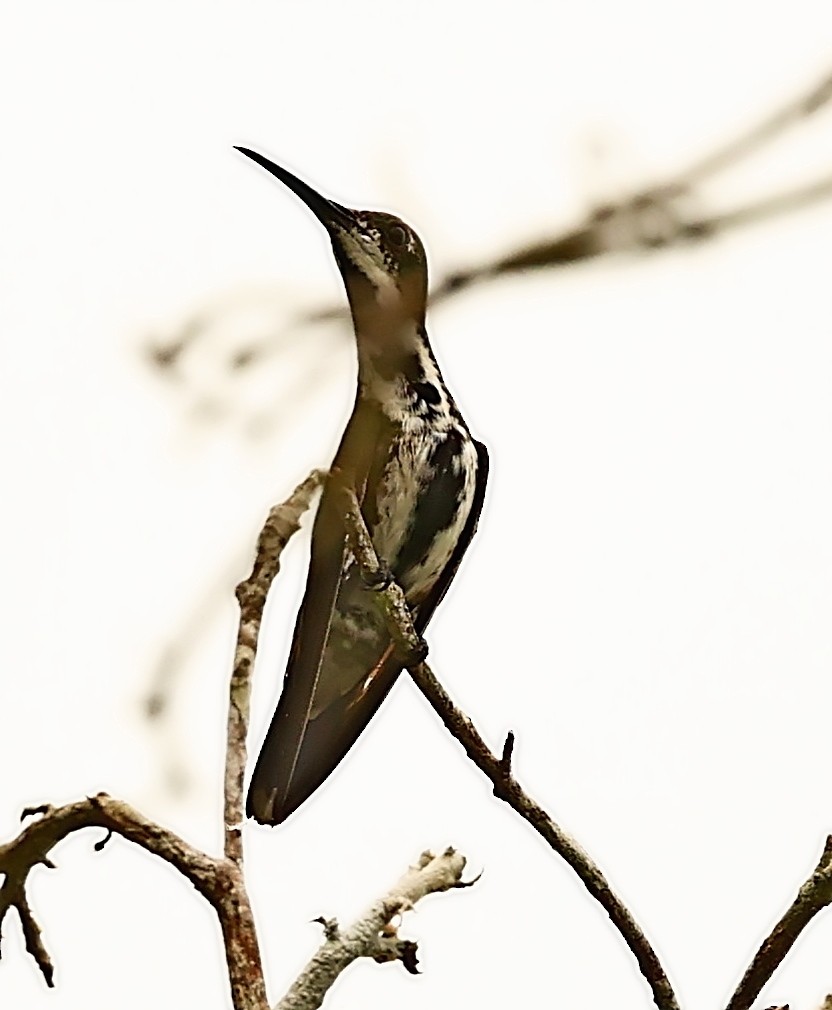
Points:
(814, 895)
(283, 520)
(497, 768)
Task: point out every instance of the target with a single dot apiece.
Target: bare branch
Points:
(218, 880)
(814, 895)
(373, 935)
(36, 840)
(282, 522)
(497, 768)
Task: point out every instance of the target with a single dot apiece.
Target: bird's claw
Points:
(380, 579)
(413, 654)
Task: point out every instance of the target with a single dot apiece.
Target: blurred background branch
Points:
(654, 217)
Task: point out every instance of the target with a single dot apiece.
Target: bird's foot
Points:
(380, 579)
(412, 654)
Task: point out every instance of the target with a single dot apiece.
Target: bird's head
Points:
(381, 259)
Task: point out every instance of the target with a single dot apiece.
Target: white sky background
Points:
(647, 602)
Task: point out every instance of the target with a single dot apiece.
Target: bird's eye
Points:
(397, 235)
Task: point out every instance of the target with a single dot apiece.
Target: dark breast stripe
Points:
(437, 506)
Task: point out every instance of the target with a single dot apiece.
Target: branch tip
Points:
(33, 941)
(469, 883)
(508, 752)
(99, 845)
(331, 928)
(43, 808)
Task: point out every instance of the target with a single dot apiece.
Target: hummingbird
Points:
(419, 478)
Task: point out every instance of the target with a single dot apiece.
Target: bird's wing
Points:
(336, 728)
(321, 715)
(275, 772)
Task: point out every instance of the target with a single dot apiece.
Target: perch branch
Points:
(373, 934)
(814, 895)
(497, 768)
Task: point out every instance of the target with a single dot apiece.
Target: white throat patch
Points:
(367, 257)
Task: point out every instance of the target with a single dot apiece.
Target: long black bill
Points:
(326, 211)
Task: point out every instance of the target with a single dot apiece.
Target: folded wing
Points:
(342, 663)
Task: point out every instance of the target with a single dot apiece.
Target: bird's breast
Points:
(423, 501)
